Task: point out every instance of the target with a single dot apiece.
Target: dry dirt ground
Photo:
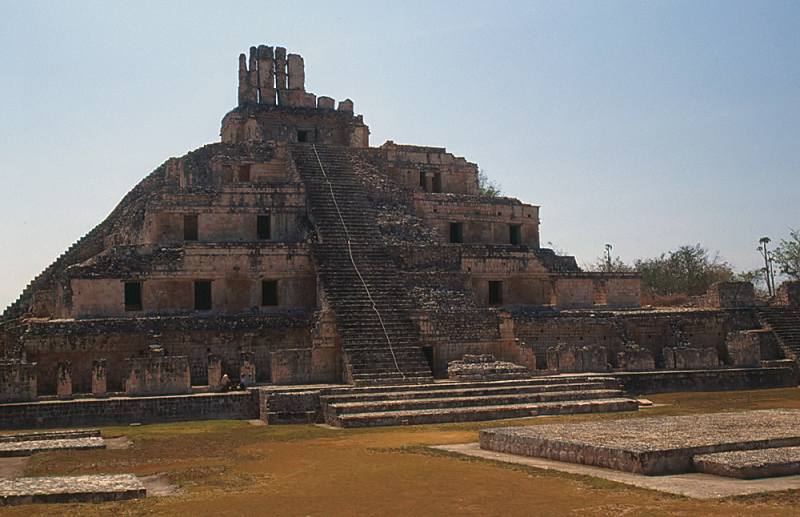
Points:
(235, 468)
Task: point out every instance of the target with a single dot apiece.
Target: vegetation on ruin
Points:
(235, 468)
(486, 186)
(787, 255)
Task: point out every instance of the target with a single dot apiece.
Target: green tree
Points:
(487, 187)
(688, 270)
(787, 255)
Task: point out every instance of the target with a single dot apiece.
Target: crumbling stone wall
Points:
(788, 294)
(729, 295)
(482, 220)
(568, 358)
(114, 340)
(744, 347)
(431, 169)
(17, 381)
(157, 375)
(685, 358)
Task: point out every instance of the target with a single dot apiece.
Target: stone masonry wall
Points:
(127, 410)
(157, 376)
(17, 382)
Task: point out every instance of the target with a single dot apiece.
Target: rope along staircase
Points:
(361, 283)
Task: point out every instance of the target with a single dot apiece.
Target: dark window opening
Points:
(263, 228)
(428, 351)
(227, 174)
(190, 227)
(244, 172)
(269, 293)
(437, 182)
(303, 136)
(133, 296)
(202, 295)
(495, 292)
(513, 235)
(456, 233)
(422, 180)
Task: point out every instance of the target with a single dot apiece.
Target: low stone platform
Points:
(651, 446)
(25, 444)
(70, 489)
(763, 463)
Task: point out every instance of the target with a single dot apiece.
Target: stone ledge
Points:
(70, 489)
(650, 446)
(764, 463)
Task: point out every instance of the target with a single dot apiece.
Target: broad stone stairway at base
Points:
(377, 349)
(472, 402)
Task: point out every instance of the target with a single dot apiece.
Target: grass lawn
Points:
(234, 468)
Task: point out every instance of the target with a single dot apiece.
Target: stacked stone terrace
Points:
(234, 259)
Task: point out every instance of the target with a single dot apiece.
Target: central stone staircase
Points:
(470, 402)
(361, 283)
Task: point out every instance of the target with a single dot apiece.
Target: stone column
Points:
(214, 370)
(297, 74)
(280, 68)
(99, 379)
(248, 366)
(64, 380)
(266, 75)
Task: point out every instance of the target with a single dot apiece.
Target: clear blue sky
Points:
(647, 125)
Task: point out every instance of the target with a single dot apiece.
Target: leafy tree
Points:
(688, 270)
(787, 255)
(487, 187)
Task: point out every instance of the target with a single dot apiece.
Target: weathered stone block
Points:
(64, 380)
(634, 358)
(17, 381)
(685, 358)
(291, 366)
(157, 375)
(99, 378)
(744, 348)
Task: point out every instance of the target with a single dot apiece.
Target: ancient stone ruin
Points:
(293, 252)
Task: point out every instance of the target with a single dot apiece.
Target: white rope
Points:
(352, 261)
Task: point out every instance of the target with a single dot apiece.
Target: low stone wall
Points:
(648, 383)
(788, 294)
(127, 410)
(17, 381)
(291, 366)
(634, 358)
(687, 358)
(484, 367)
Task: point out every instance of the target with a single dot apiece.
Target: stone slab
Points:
(28, 447)
(70, 489)
(763, 463)
(50, 435)
(697, 485)
(652, 446)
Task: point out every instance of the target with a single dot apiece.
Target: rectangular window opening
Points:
(456, 233)
(303, 136)
(437, 182)
(133, 296)
(244, 172)
(269, 293)
(202, 295)
(190, 227)
(495, 292)
(422, 179)
(513, 234)
(263, 227)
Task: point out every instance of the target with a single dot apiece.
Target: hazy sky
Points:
(647, 125)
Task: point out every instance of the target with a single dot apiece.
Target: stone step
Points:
(481, 413)
(467, 390)
(347, 408)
